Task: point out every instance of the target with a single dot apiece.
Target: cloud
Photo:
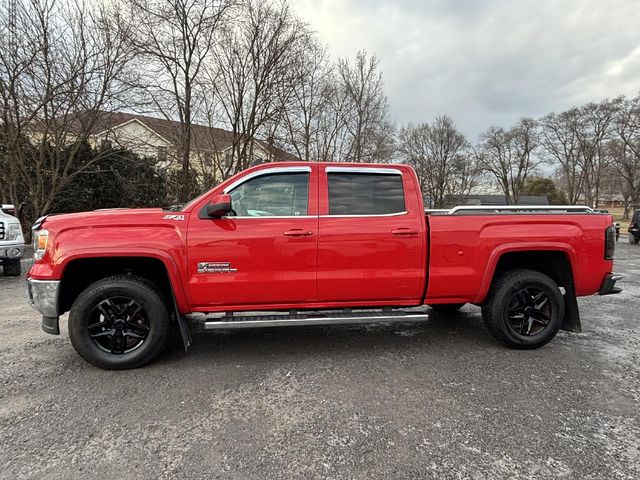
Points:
(487, 62)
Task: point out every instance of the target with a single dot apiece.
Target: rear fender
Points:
(497, 253)
(571, 321)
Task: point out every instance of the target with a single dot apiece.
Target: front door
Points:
(372, 244)
(265, 254)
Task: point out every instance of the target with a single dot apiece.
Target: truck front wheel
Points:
(524, 309)
(119, 322)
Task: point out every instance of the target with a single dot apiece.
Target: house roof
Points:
(202, 137)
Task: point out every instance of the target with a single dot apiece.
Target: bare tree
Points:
(592, 131)
(508, 156)
(173, 38)
(467, 173)
(62, 65)
(252, 70)
(440, 155)
(626, 151)
(332, 137)
(366, 115)
(560, 141)
(304, 105)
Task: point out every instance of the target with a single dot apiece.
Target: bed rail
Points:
(510, 209)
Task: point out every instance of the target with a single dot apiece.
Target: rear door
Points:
(371, 245)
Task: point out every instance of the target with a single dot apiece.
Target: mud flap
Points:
(183, 324)
(185, 332)
(571, 321)
(51, 325)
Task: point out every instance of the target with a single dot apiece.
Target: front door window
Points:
(278, 194)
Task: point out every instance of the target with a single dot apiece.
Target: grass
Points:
(617, 213)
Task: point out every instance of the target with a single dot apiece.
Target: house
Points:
(611, 200)
(493, 199)
(160, 138)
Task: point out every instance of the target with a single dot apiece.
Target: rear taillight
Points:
(609, 242)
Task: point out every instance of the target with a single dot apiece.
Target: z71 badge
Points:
(173, 217)
(215, 267)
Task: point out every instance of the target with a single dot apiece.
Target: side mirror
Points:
(8, 207)
(219, 206)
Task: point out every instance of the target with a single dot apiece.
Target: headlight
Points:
(14, 231)
(40, 239)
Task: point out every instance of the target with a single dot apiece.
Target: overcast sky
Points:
(487, 62)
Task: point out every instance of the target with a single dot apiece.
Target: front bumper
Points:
(609, 284)
(43, 296)
(11, 252)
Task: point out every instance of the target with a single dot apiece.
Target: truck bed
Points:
(467, 242)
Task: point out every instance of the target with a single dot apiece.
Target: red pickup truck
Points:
(307, 244)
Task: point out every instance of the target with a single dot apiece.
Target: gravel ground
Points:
(441, 400)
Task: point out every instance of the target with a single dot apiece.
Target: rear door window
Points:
(365, 193)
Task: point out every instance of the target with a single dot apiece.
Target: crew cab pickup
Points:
(307, 244)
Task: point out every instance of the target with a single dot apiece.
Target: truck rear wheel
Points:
(12, 268)
(524, 309)
(119, 322)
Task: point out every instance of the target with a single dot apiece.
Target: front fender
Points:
(46, 271)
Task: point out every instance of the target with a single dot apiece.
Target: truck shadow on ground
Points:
(441, 332)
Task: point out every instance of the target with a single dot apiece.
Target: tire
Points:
(119, 322)
(12, 268)
(447, 307)
(633, 240)
(516, 307)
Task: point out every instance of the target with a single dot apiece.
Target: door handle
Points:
(297, 232)
(403, 231)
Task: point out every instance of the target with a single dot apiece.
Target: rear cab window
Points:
(365, 193)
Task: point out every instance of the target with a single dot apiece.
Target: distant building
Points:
(611, 200)
(159, 138)
(492, 199)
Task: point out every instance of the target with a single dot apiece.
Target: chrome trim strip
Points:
(382, 171)
(366, 215)
(321, 216)
(266, 171)
(256, 322)
(270, 216)
(517, 208)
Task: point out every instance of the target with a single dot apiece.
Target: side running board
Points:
(315, 318)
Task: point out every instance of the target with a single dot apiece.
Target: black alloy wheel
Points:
(118, 325)
(120, 322)
(529, 311)
(524, 308)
